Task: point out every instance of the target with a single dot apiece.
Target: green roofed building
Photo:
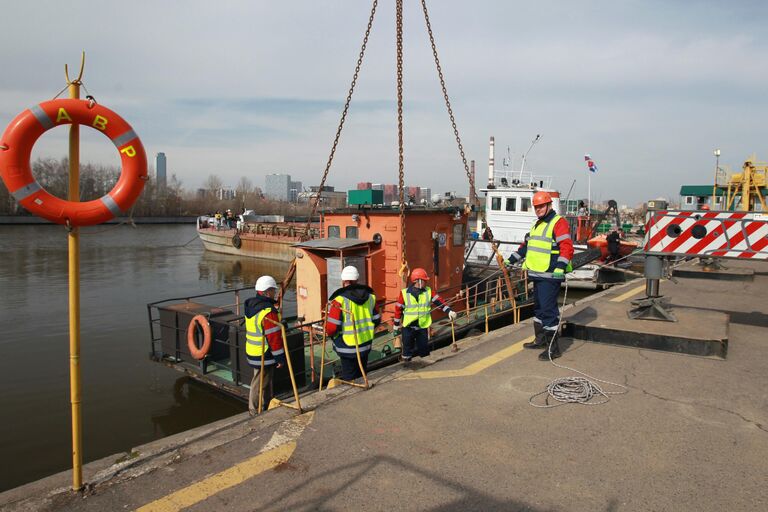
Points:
(693, 197)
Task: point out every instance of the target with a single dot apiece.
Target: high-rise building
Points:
(162, 179)
(364, 185)
(293, 191)
(278, 186)
(425, 194)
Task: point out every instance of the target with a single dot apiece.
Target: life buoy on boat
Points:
(236, 241)
(16, 150)
(202, 351)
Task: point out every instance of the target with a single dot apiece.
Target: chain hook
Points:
(91, 101)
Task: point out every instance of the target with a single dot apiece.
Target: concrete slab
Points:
(721, 274)
(697, 332)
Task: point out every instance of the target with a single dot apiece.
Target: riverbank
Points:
(22, 220)
(458, 433)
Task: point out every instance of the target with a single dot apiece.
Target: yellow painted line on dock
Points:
(277, 451)
(624, 296)
(473, 368)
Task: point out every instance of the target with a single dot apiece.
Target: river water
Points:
(127, 400)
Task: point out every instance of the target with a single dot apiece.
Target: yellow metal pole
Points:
(73, 241)
(486, 319)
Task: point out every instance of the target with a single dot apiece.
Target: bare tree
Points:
(212, 184)
(244, 191)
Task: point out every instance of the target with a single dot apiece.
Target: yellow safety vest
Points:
(541, 246)
(417, 308)
(256, 335)
(357, 327)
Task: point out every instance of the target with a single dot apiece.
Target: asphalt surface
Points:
(459, 433)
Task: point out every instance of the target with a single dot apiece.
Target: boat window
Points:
(458, 234)
(688, 199)
(525, 204)
(351, 232)
(495, 203)
(511, 204)
(334, 232)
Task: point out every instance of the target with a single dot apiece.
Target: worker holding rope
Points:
(414, 308)
(547, 254)
(352, 317)
(264, 341)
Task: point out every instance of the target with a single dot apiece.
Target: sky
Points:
(247, 88)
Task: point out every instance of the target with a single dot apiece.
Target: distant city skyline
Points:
(648, 89)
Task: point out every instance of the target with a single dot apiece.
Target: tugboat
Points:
(371, 239)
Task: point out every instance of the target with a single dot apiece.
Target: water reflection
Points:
(227, 271)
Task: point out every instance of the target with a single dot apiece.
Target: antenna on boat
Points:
(491, 162)
(522, 166)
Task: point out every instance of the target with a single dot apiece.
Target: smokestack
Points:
(491, 164)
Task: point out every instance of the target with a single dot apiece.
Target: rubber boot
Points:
(553, 350)
(538, 341)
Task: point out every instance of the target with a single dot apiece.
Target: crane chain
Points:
(399, 29)
(359, 64)
(472, 193)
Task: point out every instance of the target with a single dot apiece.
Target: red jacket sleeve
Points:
(333, 322)
(399, 307)
(562, 234)
(273, 332)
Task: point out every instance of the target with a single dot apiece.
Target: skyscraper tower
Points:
(162, 180)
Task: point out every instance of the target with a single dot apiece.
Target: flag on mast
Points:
(590, 163)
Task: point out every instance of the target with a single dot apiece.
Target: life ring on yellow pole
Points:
(202, 351)
(16, 151)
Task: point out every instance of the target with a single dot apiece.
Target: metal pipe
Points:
(491, 162)
(653, 270)
(73, 243)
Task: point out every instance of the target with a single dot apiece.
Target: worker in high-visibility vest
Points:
(547, 253)
(352, 318)
(263, 337)
(413, 311)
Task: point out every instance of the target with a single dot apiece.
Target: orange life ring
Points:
(16, 150)
(199, 353)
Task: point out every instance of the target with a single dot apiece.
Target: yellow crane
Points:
(749, 184)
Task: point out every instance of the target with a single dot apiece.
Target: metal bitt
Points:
(653, 306)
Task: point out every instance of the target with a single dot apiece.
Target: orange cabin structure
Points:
(370, 239)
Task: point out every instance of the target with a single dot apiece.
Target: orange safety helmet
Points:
(540, 198)
(705, 207)
(419, 273)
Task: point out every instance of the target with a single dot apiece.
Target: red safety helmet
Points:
(540, 198)
(705, 207)
(419, 273)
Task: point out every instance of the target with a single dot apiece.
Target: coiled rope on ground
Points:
(573, 390)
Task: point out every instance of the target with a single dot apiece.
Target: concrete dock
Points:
(458, 432)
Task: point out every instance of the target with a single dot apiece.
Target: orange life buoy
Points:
(199, 353)
(16, 150)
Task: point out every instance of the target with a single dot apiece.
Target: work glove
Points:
(507, 262)
(280, 360)
(452, 315)
(559, 273)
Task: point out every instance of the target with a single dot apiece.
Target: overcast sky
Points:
(648, 88)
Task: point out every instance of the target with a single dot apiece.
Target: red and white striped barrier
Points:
(706, 233)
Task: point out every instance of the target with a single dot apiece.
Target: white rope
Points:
(573, 390)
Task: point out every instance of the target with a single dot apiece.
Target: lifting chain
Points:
(403, 272)
(472, 193)
(316, 202)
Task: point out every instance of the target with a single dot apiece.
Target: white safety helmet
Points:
(264, 283)
(350, 273)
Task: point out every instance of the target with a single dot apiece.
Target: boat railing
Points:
(511, 179)
(478, 303)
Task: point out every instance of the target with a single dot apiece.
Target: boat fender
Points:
(274, 229)
(16, 150)
(291, 231)
(236, 241)
(202, 351)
